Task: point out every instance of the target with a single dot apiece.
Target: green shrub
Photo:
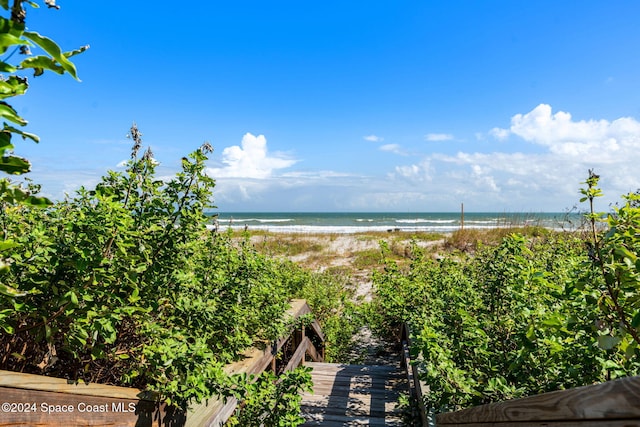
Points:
(123, 284)
(521, 315)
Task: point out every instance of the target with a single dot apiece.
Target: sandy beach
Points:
(356, 255)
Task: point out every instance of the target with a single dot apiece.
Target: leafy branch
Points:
(15, 38)
(615, 254)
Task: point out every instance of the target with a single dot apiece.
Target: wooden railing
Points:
(416, 386)
(293, 348)
(73, 404)
(611, 404)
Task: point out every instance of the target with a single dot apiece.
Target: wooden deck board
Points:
(614, 400)
(343, 420)
(353, 395)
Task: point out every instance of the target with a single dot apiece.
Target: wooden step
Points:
(354, 395)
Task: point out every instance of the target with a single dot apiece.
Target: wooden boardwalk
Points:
(354, 395)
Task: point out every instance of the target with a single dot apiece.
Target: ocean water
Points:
(308, 222)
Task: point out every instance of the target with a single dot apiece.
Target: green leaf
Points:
(607, 342)
(75, 52)
(7, 244)
(14, 165)
(10, 114)
(553, 321)
(11, 34)
(11, 292)
(13, 86)
(35, 201)
(635, 322)
(7, 68)
(610, 364)
(52, 49)
(5, 141)
(4, 4)
(134, 296)
(7, 40)
(74, 298)
(35, 138)
(40, 63)
(531, 333)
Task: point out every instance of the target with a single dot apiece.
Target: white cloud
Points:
(438, 137)
(319, 175)
(250, 160)
(420, 172)
(540, 126)
(393, 148)
(545, 177)
(500, 134)
(373, 138)
(595, 141)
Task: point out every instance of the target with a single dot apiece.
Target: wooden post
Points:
(461, 216)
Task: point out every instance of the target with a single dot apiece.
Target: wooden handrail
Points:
(416, 386)
(613, 403)
(216, 412)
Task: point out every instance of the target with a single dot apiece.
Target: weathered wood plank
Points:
(313, 352)
(61, 385)
(362, 377)
(327, 423)
(326, 419)
(390, 378)
(574, 423)
(406, 363)
(353, 395)
(416, 385)
(613, 400)
(317, 329)
(336, 392)
(354, 405)
(45, 408)
(298, 356)
(352, 369)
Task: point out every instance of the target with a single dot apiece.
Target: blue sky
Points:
(349, 106)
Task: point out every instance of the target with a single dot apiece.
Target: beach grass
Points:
(290, 245)
(468, 239)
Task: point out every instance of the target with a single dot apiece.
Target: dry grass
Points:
(399, 236)
(356, 252)
(287, 246)
(469, 239)
(367, 259)
(360, 252)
